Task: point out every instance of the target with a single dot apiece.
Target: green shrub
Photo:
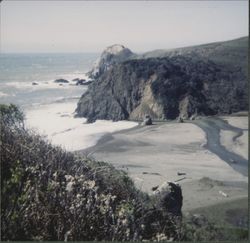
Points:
(50, 194)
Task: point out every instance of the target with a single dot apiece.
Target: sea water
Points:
(48, 106)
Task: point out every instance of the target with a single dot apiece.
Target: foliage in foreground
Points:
(50, 194)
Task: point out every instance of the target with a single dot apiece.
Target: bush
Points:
(50, 194)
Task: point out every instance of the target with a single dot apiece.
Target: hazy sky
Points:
(85, 26)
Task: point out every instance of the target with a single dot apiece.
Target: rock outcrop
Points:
(110, 56)
(61, 80)
(172, 198)
(147, 121)
(176, 85)
(164, 88)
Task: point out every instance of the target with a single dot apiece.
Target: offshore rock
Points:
(61, 80)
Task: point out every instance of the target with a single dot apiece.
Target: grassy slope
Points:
(231, 217)
(233, 52)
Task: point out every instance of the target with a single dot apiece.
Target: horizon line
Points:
(98, 52)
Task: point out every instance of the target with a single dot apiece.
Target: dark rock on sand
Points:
(180, 120)
(147, 120)
(34, 83)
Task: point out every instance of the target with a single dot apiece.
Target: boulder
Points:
(87, 82)
(193, 117)
(61, 80)
(180, 119)
(171, 198)
(80, 81)
(147, 120)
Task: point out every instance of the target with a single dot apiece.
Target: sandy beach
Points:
(60, 126)
(177, 152)
(207, 157)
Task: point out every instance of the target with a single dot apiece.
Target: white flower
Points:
(91, 184)
(69, 186)
(161, 237)
(69, 177)
(124, 221)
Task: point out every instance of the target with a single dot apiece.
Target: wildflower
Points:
(69, 186)
(91, 184)
(124, 221)
(161, 237)
(69, 177)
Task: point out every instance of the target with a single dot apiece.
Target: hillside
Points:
(50, 194)
(191, 81)
(233, 52)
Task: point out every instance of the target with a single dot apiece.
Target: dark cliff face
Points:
(164, 88)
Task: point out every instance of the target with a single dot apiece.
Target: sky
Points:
(91, 26)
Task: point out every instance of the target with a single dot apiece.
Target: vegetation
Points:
(50, 194)
(230, 217)
(231, 53)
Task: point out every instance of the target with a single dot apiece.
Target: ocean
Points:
(48, 106)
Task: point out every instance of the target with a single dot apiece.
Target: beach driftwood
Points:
(181, 173)
(223, 194)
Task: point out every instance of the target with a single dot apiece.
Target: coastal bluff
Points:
(111, 55)
(130, 86)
